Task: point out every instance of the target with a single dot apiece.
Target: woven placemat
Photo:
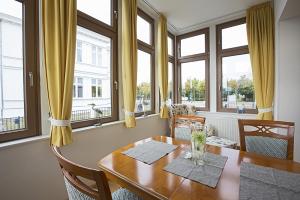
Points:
(265, 183)
(207, 174)
(150, 152)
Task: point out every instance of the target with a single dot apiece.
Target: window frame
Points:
(192, 58)
(150, 49)
(97, 26)
(31, 93)
(234, 51)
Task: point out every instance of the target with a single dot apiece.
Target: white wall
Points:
(288, 75)
(29, 171)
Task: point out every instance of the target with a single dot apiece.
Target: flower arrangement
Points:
(198, 141)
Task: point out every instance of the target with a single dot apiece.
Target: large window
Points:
(95, 82)
(145, 99)
(235, 83)
(193, 68)
(18, 70)
(171, 68)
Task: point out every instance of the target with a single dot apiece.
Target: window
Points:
(79, 51)
(94, 88)
(235, 83)
(193, 68)
(171, 67)
(18, 70)
(93, 55)
(145, 99)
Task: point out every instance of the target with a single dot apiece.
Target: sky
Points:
(9, 7)
(100, 10)
(192, 70)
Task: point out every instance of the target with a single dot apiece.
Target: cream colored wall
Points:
(28, 171)
(288, 68)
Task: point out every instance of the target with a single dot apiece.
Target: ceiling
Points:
(186, 13)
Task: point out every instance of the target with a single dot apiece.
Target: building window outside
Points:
(235, 81)
(79, 51)
(96, 88)
(193, 68)
(94, 58)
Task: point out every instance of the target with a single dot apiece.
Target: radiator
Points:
(225, 124)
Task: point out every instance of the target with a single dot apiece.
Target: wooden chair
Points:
(182, 122)
(266, 137)
(78, 190)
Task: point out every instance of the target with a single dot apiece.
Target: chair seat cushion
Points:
(220, 142)
(184, 133)
(123, 194)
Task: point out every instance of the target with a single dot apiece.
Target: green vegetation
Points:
(143, 90)
(243, 88)
(194, 90)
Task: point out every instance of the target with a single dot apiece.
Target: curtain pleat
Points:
(59, 19)
(129, 59)
(260, 32)
(162, 53)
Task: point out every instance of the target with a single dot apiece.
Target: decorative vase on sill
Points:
(198, 142)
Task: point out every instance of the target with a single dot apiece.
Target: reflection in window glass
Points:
(11, 67)
(143, 92)
(170, 83)
(192, 45)
(237, 82)
(234, 36)
(100, 10)
(193, 83)
(170, 47)
(143, 30)
(92, 87)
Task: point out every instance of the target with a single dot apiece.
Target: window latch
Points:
(116, 85)
(30, 75)
(116, 14)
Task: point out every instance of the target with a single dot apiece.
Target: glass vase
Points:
(198, 142)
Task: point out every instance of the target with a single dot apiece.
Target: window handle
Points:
(116, 85)
(30, 75)
(116, 14)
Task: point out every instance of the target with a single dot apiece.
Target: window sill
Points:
(76, 131)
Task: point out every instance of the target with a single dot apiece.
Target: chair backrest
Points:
(270, 138)
(76, 188)
(183, 123)
(179, 109)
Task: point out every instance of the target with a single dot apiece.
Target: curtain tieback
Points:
(60, 123)
(265, 110)
(164, 103)
(128, 113)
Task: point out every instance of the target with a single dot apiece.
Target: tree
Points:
(144, 90)
(194, 89)
(246, 88)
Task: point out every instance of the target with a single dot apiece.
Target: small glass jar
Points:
(198, 141)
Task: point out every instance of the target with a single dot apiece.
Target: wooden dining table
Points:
(153, 182)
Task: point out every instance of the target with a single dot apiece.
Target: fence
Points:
(13, 123)
(78, 115)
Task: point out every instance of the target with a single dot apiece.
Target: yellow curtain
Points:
(129, 59)
(260, 31)
(59, 42)
(162, 53)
